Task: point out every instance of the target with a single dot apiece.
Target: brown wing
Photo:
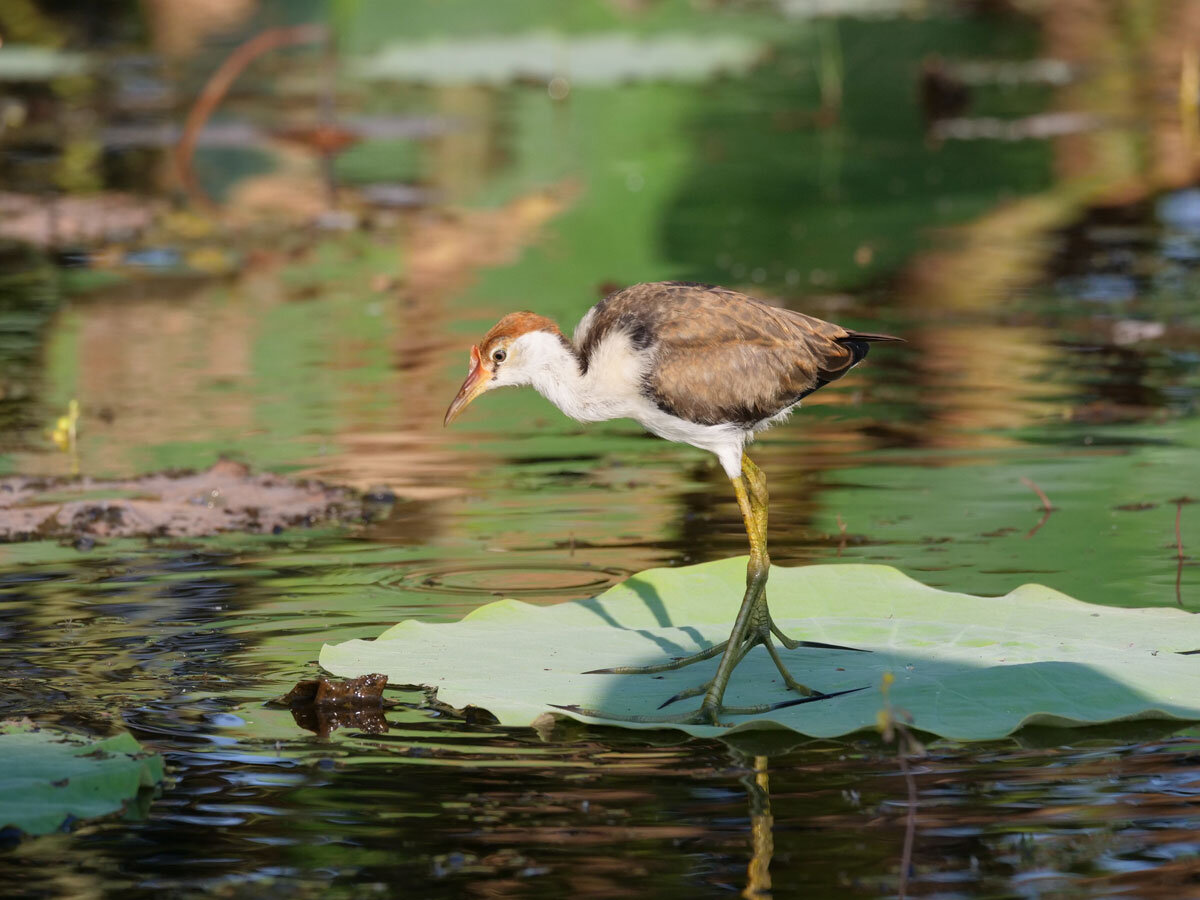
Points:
(721, 356)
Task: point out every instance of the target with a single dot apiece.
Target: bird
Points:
(696, 364)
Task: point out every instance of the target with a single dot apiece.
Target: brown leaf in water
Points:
(367, 690)
(323, 705)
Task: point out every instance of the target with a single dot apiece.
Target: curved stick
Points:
(218, 86)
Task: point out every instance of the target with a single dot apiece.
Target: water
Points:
(1033, 353)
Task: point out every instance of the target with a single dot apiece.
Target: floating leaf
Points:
(49, 778)
(965, 667)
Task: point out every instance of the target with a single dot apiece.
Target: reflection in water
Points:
(323, 705)
(758, 871)
(478, 809)
(503, 580)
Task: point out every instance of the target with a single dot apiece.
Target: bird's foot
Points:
(762, 636)
(717, 650)
(712, 708)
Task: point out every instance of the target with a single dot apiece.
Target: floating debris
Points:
(323, 705)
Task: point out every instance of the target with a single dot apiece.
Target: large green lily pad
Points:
(50, 777)
(965, 667)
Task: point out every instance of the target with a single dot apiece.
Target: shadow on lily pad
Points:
(965, 667)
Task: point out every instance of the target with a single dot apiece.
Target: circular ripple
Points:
(512, 580)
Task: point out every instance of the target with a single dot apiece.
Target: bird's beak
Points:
(478, 380)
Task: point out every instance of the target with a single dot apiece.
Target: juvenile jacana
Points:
(692, 363)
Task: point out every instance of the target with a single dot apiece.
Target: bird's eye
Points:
(498, 356)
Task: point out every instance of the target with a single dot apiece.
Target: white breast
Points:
(617, 374)
(612, 388)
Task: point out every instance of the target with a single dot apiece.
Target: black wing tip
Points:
(868, 336)
(859, 344)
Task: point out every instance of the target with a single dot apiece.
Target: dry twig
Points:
(219, 84)
(893, 723)
(1047, 506)
(1179, 557)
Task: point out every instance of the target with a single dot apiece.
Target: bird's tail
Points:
(867, 336)
(859, 343)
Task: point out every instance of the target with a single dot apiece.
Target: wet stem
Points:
(893, 723)
(906, 743)
(1179, 557)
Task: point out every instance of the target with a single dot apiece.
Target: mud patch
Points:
(226, 497)
(71, 220)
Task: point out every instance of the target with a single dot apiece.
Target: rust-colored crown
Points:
(516, 324)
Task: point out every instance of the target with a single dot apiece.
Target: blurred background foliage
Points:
(365, 197)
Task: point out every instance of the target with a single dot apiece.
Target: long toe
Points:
(687, 693)
(792, 684)
(702, 716)
(793, 644)
(707, 714)
(677, 663)
(814, 697)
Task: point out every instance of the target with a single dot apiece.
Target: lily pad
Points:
(49, 778)
(965, 667)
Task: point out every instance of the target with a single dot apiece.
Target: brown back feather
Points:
(722, 356)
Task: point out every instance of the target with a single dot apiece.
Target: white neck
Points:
(611, 389)
(605, 392)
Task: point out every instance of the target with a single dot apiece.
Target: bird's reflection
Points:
(762, 823)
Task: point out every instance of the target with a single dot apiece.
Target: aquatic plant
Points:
(65, 434)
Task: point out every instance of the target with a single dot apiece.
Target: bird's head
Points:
(509, 354)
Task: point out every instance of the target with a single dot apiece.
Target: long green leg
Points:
(753, 624)
(756, 482)
(754, 585)
(752, 627)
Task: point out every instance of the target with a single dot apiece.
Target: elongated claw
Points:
(784, 704)
(705, 715)
(813, 698)
(686, 694)
(678, 663)
(693, 718)
(792, 644)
